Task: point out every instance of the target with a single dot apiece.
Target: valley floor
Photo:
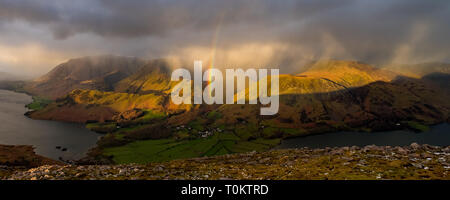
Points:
(370, 162)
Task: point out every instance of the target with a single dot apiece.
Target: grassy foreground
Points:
(418, 162)
(146, 151)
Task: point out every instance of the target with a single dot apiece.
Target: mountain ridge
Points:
(99, 72)
(331, 96)
(419, 70)
(325, 78)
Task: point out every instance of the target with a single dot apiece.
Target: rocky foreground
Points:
(370, 162)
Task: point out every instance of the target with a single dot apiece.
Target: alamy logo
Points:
(213, 93)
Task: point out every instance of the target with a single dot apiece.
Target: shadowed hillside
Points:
(152, 77)
(95, 73)
(335, 93)
(93, 105)
(419, 70)
(330, 96)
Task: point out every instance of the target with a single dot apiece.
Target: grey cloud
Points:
(137, 18)
(373, 31)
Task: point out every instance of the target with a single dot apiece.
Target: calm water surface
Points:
(17, 129)
(438, 135)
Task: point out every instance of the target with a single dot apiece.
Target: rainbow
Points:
(212, 56)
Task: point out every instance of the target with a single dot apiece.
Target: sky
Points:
(37, 35)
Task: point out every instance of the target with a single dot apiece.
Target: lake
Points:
(17, 129)
(438, 135)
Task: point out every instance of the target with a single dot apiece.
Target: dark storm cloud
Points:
(374, 30)
(287, 32)
(134, 18)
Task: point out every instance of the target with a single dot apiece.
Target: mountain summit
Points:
(99, 72)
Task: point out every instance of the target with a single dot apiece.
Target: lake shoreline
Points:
(402, 127)
(74, 140)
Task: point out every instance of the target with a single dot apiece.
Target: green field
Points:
(102, 127)
(151, 115)
(417, 126)
(38, 103)
(146, 151)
